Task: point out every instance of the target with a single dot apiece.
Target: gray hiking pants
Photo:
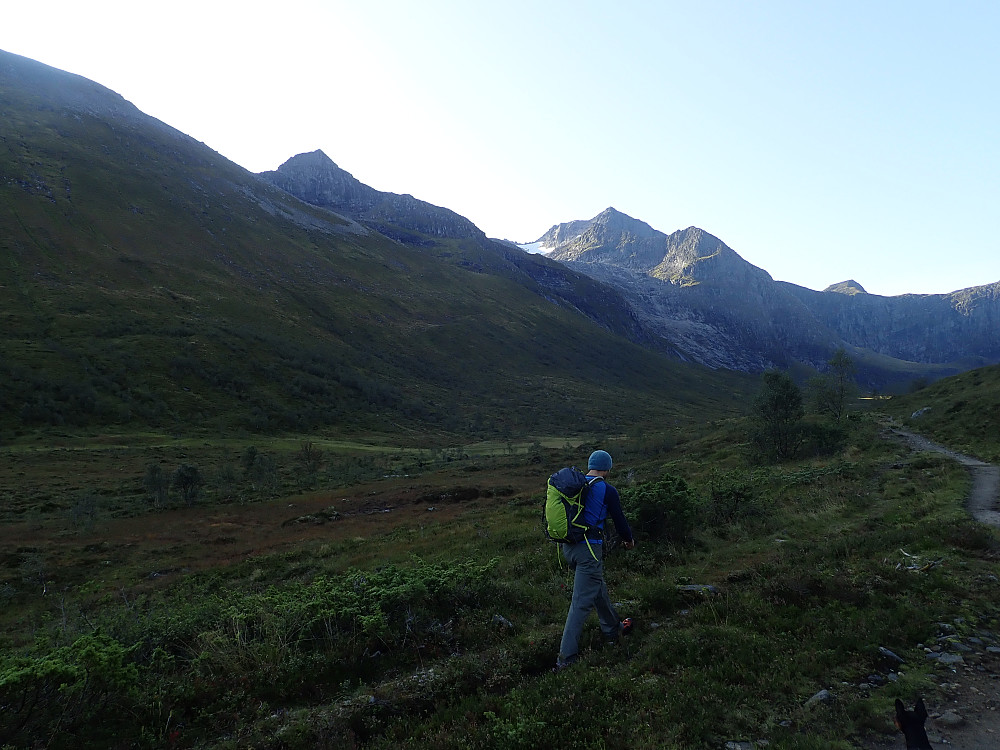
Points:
(589, 592)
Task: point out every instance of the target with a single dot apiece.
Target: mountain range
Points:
(698, 300)
(148, 279)
(720, 310)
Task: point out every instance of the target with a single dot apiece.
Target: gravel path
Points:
(973, 692)
(982, 502)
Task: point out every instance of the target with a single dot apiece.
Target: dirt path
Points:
(982, 502)
(972, 691)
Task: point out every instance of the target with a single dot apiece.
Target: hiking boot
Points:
(561, 665)
(624, 628)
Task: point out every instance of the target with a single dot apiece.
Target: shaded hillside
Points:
(722, 311)
(961, 326)
(148, 280)
(316, 179)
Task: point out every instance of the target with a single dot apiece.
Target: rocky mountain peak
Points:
(311, 160)
(612, 238)
(602, 229)
(315, 178)
(849, 287)
(611, 221)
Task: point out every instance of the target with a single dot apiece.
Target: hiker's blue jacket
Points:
(602, 500)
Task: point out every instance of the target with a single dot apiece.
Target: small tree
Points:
(309, 457)
(832, 391)
(263, 473)
(187, 481)
(156, 485)
(778, 413)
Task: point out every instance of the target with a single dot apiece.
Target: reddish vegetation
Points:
(183, 539)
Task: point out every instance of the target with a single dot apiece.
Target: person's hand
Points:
(629, 544)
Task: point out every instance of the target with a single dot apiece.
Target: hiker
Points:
(586, 559)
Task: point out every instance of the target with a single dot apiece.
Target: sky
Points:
(822, 141)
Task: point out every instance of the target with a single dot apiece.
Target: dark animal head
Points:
(911, 724)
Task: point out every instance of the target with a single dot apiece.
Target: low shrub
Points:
(666, 510)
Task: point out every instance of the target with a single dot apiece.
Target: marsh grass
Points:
(441, 631)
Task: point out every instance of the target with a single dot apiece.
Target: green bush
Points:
(51, 693)
(187, 480)
(822, 438)
(663, 511)
(734, 496)
(332, 629)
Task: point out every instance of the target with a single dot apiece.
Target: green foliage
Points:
(832, 392)
(262, 470)
(335, 629)
(735, 496)
(776, 432)
(442, 632)
(52, 693)
(187, 480)
(156, 485)
(821, 437)
(663, 511)
(309, 457)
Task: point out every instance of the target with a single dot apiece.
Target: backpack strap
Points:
(590, 483)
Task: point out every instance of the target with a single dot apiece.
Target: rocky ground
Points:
(967, 717)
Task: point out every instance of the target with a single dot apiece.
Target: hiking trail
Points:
(982, 500)
(974, 691)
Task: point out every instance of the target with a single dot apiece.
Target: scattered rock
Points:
(823, 696)
(889, 654)
(950, 719)
(318, 518)
(503, 622)
(698, 588)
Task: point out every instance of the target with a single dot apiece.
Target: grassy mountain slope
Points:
(962, 412)
(148, 280)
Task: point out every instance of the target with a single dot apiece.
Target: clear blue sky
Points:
(820, 140)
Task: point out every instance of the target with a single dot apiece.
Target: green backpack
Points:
(564, 501)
